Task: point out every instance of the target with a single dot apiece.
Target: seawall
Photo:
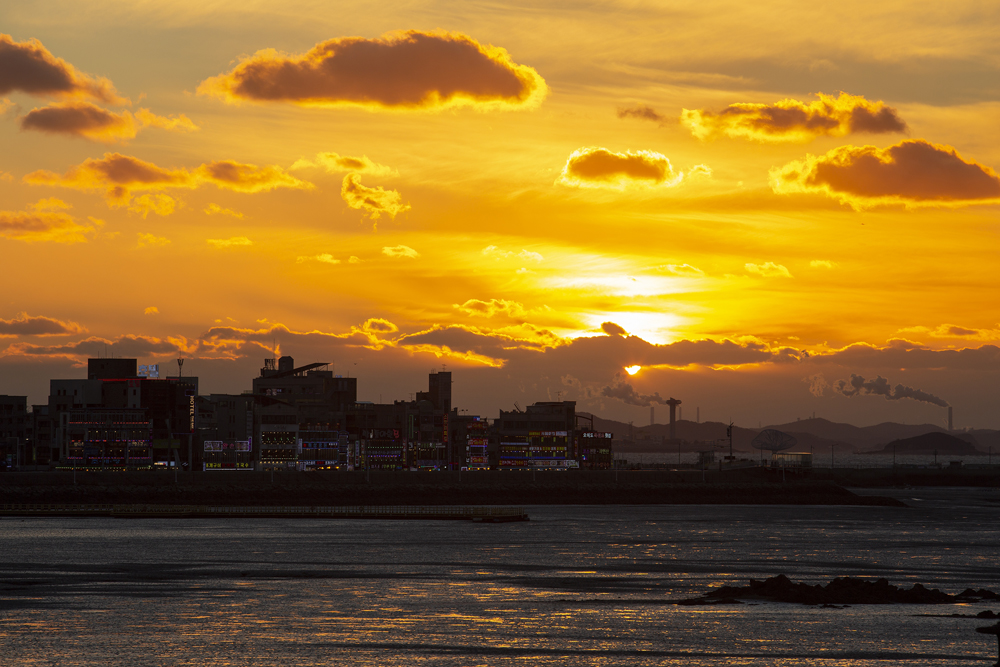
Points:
(430, 488)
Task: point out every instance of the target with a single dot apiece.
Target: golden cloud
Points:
(768, 270)
(594, 167)
(152, 310)
(332, 162)
(44, 221)
(215, 209)
(409, 70)
(28, 67)
(39, 325)
(121, 175)
(491, 307)
(910, 172)
(83, 119)
(324, 258)
(150, 241)
(375, 201)
(159, 204)
(642, 112)
(234, 242)
(792, 120)
(400, 251)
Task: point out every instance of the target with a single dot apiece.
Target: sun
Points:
(632, 370)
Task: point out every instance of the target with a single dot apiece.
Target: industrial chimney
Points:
(950, 425)
(652, 418)
(673, 403)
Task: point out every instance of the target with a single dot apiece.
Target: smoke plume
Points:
(881, 387)
(626, 393)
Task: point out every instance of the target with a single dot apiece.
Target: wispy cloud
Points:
(792, 120)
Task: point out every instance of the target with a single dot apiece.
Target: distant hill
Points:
(928, 443)
(816, 435)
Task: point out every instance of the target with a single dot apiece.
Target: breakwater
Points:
(487, 514)
(419, 489)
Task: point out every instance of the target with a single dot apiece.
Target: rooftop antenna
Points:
(180, 368)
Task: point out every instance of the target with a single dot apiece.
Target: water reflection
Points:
(583, 586)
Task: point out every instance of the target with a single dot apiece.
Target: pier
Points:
(476, 513)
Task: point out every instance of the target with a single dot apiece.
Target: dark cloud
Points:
(83, 119)
(912, 171)
(400, 70)
(642, 112)
(28, 67)
(880, 386)
(911, 356)
(44, 221)
(121, 175)
(792, 120)
(599, 167)
(613, 329)
(39, 325)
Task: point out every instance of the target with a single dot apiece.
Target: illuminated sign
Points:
(220, 446)
(384, 434)
(595, 434)
(548, 433)
(150, 371)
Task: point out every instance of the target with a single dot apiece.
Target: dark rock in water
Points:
(842, 591)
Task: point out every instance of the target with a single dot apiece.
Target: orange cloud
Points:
(44, 221)
(150, 241)
(335, 163)
(594, 167)
(120, 175)
(491, 307)
(28, 67)
(215, 209)
(157, 203)
(911, 172)
(642, 112)
(792, 120)
(27, 325)
(234, 242)
(399, 70)
(83, 119)
(375, 201)
(400, 251)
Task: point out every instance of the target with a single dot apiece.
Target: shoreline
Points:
(256, 490)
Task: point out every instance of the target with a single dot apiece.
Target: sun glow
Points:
(632, 370)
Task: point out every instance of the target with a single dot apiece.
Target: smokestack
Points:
(652, 418)
(949, 419)
(673, 403)
(697, 415)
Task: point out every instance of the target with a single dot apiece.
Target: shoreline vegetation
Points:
(262, 489)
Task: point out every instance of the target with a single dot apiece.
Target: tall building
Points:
(302, 415)
(13, 430)
(540, 437)
(101, 421)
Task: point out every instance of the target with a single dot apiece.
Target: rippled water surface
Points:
(575, 586)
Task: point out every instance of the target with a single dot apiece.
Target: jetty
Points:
(476, 513)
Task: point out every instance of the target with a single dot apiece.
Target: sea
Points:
(576, 585)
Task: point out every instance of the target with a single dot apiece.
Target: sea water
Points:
(577, 585)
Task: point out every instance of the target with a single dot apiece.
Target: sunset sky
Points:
(773, 209)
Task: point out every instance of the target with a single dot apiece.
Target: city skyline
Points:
(607, 204)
